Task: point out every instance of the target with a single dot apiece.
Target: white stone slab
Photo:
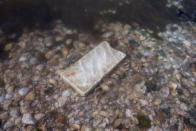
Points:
(91, 68)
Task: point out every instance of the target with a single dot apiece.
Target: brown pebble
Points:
(104, 87)
(68, 41)
(157, 101)
(8, 47)
(30, 96)
(64, 52)
(75, 126)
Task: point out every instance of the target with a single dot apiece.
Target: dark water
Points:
(15, 15)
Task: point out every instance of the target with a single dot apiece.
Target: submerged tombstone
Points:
(87, 72)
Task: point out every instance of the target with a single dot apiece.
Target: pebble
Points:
(30, 96)
(117, 123)
(3, 116)
(165, 92)
(75, 126)
(128, 113)
(68, 41)
(172, 85)
(23, 91)
(8, 47)
(39, 116)
(49, 54)
(2, 98)
(14, 112)
(10, 88)
(104, 87)
(108, 34)
(164, 106)
(183, 106)
(63, 98)
(22, 59)
(59, 38)
(28, 119)
(8, 124)
(64, 52)
(6, 104)
(143, 102)
(9, 95)
(174, 92)
(157, 101)
(34, 61)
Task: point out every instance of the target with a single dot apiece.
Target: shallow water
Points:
(153, 14)
(18, 15)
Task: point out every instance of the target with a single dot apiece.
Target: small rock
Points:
(39, 116)
(143, 102)
(193, 122)
(63, 99)
(164, 92)
(142, 37)
(104, 87)
(150, 31)
(3, 116)
(52, 81)
(14, 112)
(23, 91)
(117, 123)
(68, 41)
(33, 61)
(75, 126)
(2, 99)
(6, 104)
(86, 128)
(157, 101)
(59, 38)
(81, 45)
(187, 43)
(8, 47)
(172, 85)
(164, 106)
(22, 59)
(183, 106)
(174, 92)
(22, 44)
(107, 34)
(27, 119)
(49, 54)
(10, 88)
(8, 124)
(30, 96)
(128, 113)
(69, 32)
(9, 95)
(64, 52)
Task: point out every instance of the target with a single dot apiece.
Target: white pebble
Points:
(27, 119)
(23, 91)
(9, 95)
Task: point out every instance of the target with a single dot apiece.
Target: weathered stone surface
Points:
(90, 69)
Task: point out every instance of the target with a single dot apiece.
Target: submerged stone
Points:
(90, 69)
